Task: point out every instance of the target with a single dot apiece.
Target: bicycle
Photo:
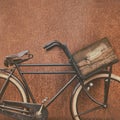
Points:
(92, 68)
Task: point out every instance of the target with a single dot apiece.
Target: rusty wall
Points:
(29, 25)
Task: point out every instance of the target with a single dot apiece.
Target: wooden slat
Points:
(97, 55)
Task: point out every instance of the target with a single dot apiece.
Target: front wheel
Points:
(83, 108)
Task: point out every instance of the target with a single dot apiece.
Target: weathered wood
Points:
(97, 55)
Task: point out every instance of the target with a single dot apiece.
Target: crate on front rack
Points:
(95, 56)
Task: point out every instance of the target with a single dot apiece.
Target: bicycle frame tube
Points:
(61, 90)
(107, 86)
(54, 72)
(47, 47)
(46, 72)
(25, 84)
(21, 73)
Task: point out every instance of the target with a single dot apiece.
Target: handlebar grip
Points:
(50, 45)
(58, 44)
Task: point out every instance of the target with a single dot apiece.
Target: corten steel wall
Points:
(29, 25)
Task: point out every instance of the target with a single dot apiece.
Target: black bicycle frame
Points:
(76, 75)
(21, 73)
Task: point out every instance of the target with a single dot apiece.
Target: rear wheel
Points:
(83, 108)
(13, 92)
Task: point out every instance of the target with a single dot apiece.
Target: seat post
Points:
(28, 91)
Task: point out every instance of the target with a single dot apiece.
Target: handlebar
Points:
(58, 44)
(53, 44)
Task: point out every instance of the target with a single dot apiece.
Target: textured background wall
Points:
(29, 24)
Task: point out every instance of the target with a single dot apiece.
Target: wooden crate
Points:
(95, 56)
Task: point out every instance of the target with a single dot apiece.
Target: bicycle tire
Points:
(81, 104)
(14, 91)
(16, 84)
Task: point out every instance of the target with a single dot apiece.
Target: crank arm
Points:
(16, 115)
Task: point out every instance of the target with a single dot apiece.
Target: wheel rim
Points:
(102, 114)
(14, 88)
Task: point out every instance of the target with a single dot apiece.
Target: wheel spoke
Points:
(90, 110)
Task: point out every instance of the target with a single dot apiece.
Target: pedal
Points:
(44, 100)
(39, 112)
(24, 111)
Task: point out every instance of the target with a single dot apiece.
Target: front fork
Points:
(106, 89)
(107, 86)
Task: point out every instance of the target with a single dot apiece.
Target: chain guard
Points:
(5, 108)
